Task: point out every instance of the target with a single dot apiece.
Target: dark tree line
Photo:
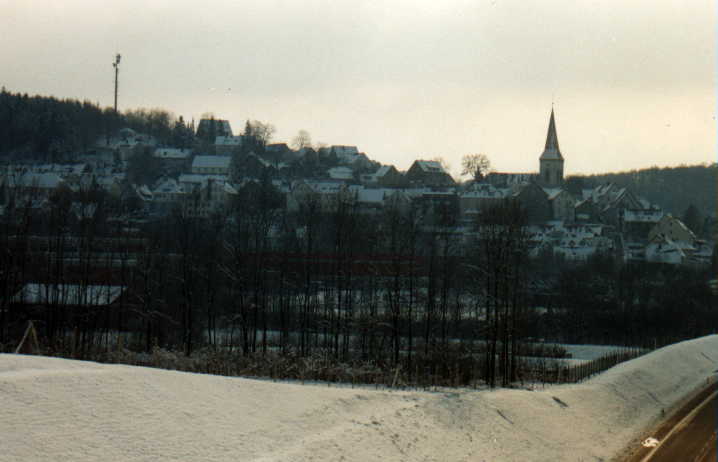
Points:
(50, 129)
(674, 188)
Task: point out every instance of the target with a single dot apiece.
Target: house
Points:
(672, 229)
(661, 249)
(167, 190)
(211, 165)
(173, 158)
(429, 173)
(345, 154)
(509, 180)
(478, 197)
(207, 198)
(226, 145)
(563, 204)
(341, 173)
(536, 203)
(439, 208)
(386, 176)
(192, 181)
(111, 183)
(250, 166)
(636, 224)
(585, 211)
(127, 143)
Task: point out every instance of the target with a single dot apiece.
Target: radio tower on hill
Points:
(116, 65)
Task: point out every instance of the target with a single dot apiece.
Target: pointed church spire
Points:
(551, 151)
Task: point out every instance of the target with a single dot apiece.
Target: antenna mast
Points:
(116, 65)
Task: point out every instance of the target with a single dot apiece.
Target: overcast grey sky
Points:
(633, 82)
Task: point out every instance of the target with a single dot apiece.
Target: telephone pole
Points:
(116, 65)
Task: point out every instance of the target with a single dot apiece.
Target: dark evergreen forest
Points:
(47, 129)
(673, 188)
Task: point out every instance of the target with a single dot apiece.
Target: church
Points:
(551, 160)
(541, 193)
(550, 165)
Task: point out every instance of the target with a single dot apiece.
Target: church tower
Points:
(551, 161)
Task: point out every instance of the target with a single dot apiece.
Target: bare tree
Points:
(476, 165)
(302, 140)
(261, 131)
(501, 280)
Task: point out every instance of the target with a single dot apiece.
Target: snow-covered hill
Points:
(55, 409)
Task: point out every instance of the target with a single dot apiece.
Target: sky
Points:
(633, 84)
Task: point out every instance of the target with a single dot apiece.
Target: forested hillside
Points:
(673, 188)
(49, 129)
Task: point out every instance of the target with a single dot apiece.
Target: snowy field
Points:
(55, 409)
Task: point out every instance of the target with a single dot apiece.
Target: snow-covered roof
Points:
(168, 186)
(229, 189)
(483, 191)
(430, 166)
(666, 251)
(642, 216)
(172, 153)
(381, 171)
(211, 162)
(144, 192)
(340, 173)
(326, 187)
(553, 193)
(263, 162)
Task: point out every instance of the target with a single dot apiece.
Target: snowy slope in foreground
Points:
(54, 409)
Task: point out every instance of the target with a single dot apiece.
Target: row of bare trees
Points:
(324, 278)
(399, 289)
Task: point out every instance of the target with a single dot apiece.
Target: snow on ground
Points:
(588, 352)
(56, 409)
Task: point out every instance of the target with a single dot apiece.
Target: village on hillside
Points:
(209, 167)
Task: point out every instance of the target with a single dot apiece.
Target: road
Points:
(689, 435)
